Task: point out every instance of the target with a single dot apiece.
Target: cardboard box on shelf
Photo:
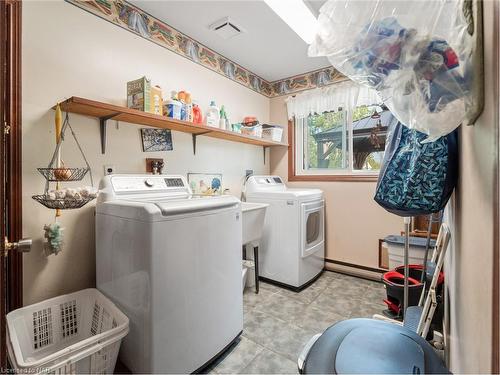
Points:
(139, 94)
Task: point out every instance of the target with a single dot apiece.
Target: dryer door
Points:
(312, 227)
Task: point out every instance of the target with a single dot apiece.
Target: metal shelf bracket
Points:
(102, 124)
(194, 140)
(264, 152)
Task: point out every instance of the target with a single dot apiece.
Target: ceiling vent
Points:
(226, 28)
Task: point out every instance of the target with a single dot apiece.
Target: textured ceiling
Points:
(268, 47)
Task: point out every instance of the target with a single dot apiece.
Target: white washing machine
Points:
(292, 249)
(172, 263)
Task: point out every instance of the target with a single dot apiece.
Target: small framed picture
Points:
(156, 140)
(205, 183)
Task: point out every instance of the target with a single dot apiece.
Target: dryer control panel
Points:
(269, 180)
(265, 183)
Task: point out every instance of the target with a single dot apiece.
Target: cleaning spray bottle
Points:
(222, 118)
(197, 115)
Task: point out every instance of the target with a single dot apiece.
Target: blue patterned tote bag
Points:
(417, 178)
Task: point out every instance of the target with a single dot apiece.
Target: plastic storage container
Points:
(172, 108)
(78, 333)
(416, 254)
(254, 131)
(272, 133)
(236, 127)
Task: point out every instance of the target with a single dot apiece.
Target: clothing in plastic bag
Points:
(417, 178)
(416, 54)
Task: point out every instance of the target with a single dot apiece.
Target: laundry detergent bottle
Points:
(197, 115)
(181, 95)
(189, 107)
(172, 107)
(212, 115)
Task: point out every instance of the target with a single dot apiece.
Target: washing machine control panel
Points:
(149, 183)
(174, 182)
(122, 184)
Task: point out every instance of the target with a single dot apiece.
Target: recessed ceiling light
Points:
(297, 15)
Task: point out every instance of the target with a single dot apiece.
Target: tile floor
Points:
(278, 322)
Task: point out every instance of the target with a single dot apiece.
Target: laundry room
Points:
(264, 186)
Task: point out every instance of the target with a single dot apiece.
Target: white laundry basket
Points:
(272, 133)
(78, 333)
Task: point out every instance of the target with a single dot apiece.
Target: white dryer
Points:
(172, 263)
(292, 249)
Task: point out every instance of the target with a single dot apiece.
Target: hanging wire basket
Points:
(63, 174)
(62, 203)
(65, 199)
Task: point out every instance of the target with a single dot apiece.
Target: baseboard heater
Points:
(354, 269)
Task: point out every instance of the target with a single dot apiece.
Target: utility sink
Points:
(253, 215)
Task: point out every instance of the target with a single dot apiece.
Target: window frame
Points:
(345, 176)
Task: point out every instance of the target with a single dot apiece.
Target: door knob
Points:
(23, 245)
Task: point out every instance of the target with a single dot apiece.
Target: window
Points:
(341, 143)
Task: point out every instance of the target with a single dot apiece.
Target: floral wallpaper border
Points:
(134, 19)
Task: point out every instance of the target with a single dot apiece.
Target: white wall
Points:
(69, 52)
(354, 222)
(471, 214)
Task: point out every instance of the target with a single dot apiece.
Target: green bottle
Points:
(223, 118)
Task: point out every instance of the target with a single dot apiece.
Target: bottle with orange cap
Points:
(197, 114)
(189, 107)
(181, 96)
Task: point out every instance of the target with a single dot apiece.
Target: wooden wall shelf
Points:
(105, 112)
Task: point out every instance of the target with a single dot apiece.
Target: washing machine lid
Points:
(160, 209)
(195, 204)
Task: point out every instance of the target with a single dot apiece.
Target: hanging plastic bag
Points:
(416, 54)
(417, 178)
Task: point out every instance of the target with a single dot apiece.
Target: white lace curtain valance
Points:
(345, 95)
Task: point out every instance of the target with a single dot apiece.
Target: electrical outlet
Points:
(109, 169)
(248, 172)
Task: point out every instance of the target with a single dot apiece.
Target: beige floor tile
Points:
(239, 357)
(268, 362)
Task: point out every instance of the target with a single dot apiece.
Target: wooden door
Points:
(10, 166)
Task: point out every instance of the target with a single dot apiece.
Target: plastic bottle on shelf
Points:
(181, 95)
(197, 115)
(156, 100)
(172, 107)
(212, 115)
(189, 107)
(222, 118)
